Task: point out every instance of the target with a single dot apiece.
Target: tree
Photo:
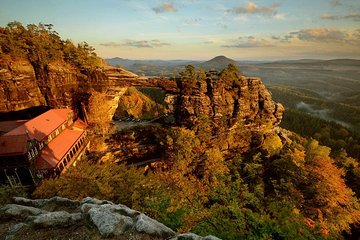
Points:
(99, 113)
(41, 45)
(231, 73)
(188, 76)
(201, 75)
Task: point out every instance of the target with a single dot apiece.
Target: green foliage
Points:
(82, 55)
(114, 182)
(138, 105)
(201, 75)
(155, 94)
(327, 133)
(189, 72)
(290, 97)
(231, 74)
(40, 44)
(272, 144)
(188, 76)
(99, 112)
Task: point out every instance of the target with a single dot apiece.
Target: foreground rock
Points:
(61, 218)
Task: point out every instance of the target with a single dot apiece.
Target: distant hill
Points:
(218, 63)
(139, 66)
(343, 62)
(120, 61)
(126, 63)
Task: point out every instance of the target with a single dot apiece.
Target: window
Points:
(61, 167)
(29, 156)
(36, 151)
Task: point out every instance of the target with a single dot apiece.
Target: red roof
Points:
(43, 125)
(57, 148)
(80, 124)
(13, 144)
(7, 126)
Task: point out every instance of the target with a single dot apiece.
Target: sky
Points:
(200, 29)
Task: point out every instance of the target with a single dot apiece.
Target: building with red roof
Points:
(41, 147)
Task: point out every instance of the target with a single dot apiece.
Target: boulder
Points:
(109, 223)
(211, 237)
(94, 201)
(109, 219)
(147, 225)
(56, 219)
(30, 202)
(19, 212)
(187, 236)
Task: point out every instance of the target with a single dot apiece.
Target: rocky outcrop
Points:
(60, 84)
(244, 100)
(18, 86)
(89, 217)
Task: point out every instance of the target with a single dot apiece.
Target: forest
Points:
(41, 44)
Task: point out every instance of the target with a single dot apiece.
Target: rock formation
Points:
(228, 102)
(61, 218)
(23, 85)
(18, 86)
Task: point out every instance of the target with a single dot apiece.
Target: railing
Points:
(75, 157)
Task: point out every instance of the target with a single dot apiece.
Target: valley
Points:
(329, 89)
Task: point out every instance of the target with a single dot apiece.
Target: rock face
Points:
(99, 218)
(23, 85)
(18, 86)
(228, 102)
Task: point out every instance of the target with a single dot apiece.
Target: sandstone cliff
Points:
(60, 84)
(228, 102)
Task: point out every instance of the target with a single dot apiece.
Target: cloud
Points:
(193, 21)
(249, 42)
(321, 35)
(336, 3)
(351, 16)
(279, 16)
(241, 18)
(158, 43)
(165, 7)
(138, 44)
(252, 8)
(209, 42)
(111, 44)
(328, 16)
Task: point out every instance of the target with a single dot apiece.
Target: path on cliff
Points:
(121, 125)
